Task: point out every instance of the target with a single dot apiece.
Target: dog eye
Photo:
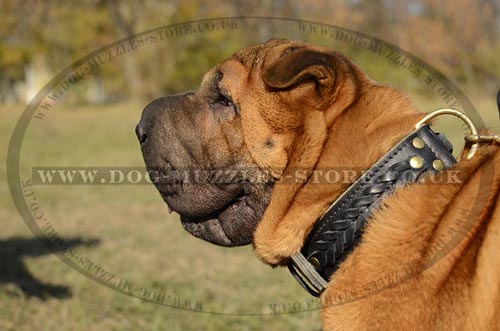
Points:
(222, 102)
(225, 101)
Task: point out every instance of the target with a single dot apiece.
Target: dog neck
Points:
(365, 131)
(339, 230)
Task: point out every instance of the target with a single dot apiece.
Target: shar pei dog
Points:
(408, 240)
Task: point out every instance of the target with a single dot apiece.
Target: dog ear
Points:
(299, 65)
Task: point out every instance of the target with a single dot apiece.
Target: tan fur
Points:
(428, 258)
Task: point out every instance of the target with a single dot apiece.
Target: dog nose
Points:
(141, 134)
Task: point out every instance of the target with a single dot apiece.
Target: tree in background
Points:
(39, 39)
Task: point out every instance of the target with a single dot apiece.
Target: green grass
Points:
(139, 240)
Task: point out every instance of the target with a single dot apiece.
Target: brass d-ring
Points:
(456, 113)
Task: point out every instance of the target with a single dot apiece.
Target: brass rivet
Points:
(416, 162)
(418, 143)
(438, 165)
(314, 261)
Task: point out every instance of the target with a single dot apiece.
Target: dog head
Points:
(265, 112)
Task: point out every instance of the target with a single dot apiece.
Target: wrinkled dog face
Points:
(248, 114)
(185, 136)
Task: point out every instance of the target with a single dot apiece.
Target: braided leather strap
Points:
(340, 229)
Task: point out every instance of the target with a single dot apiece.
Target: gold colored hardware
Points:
(416, 162)
(495, 139)
(456, 113)
(438, 165)
(418, 143)
(314, 261)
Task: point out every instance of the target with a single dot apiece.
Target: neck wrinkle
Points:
(365, 131)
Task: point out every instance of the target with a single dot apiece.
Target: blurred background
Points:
(40, 38)
(125, 229)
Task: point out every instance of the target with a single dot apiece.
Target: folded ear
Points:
(300, 65)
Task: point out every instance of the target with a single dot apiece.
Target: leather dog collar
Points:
(339, 230)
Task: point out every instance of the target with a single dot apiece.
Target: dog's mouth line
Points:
(165, 178)
(237, 202)
(215, 227)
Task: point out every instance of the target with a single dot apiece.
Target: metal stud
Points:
(416, 162)
(418, 143)
(438, 165)
(315, 262)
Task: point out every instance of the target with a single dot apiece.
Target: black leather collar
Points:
(339, 230)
